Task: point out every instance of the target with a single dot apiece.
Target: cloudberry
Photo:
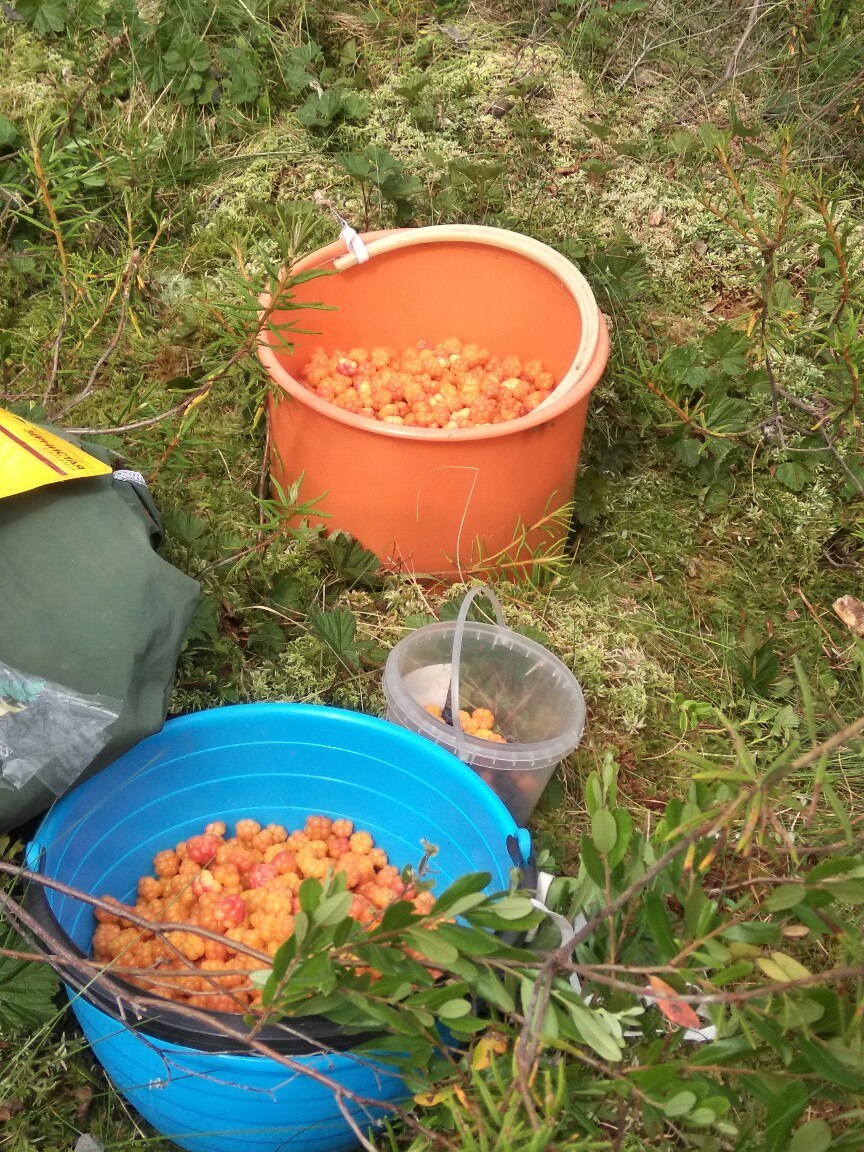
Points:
(230, 911)
(284, 862)
(149, 888)
(216, 952)
(361, 843)
(247, 830)
(262, 841)
(103, 915)
(312, 866)
(226, 874)
(205, 882)
(166, 864)
(361, 910)
(216, 828)
(338, 846)
(391, 878)
(289, 881)
(261, 874)
(424, 902)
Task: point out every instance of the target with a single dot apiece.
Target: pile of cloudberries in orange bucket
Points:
(446, 385)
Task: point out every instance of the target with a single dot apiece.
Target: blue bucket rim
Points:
(469, 781)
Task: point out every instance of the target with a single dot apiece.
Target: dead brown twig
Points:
(126, 283)
(45, 195)
(732, 63)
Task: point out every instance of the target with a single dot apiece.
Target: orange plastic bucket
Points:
(437, 502)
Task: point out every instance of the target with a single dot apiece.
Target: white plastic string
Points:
(348, 235)
(353, 243)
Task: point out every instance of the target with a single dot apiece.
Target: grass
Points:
(139, 219)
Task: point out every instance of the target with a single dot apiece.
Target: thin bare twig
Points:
(732, 63)
(819, 427)
(45, 194)
(264, 477)
(128, 280)
(95, 78)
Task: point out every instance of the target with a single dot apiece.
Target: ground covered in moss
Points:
(157, 163)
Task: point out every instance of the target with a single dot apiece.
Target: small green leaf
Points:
(793, 475)
(781, 967)
(604, 831)
(490, 986)
(512, 907)
(431, 945)
(10, 137)
(839, 809)
(827, 1065)
(593, 794)
(846, 891)
(799, 1012)
(659, 925)
(310, 896)
(702, 1116)
(467, 1024)
(680, 1104)
(593, 1032)
(453, 1009)
(399, 915)
(337, 628)
(27, 988)
(592, 861)
(624, 825)
(814, 1136)
(472, 941)
(785, 897)
(44, 15)
(185, 527)
(471, 885)
(784, 1109)
(838, 866)
(352, 561)
(332, 909)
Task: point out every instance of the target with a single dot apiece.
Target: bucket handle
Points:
(456, 659)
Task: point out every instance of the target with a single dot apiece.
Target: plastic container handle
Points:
(456, 658)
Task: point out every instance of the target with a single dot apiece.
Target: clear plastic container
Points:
(537, 702)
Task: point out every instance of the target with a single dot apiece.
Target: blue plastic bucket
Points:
(276, 763)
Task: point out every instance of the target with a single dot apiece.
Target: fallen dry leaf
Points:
(491, 1043)
(656, 216)
(9, 1109)
(83, 1097)
(671, 1007)
(851, 612)
(700, 247)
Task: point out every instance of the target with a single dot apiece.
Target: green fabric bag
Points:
(87, 603)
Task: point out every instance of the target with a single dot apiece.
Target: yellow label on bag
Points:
(30, 457)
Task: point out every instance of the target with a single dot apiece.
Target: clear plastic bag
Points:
(48, 733)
